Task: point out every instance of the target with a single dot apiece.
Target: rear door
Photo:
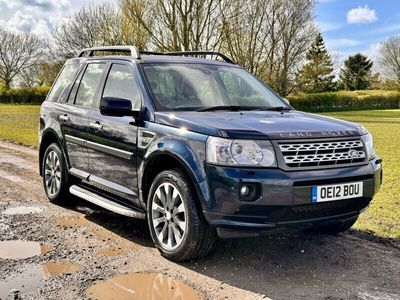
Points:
(74, 121)
(112, 141)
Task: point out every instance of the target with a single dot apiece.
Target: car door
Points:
(112, 140)
(75, 119)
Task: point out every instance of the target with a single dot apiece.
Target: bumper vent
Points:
(327, 153)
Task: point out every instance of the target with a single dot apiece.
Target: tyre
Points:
(56, 179)
(337, 227)
(176, 224)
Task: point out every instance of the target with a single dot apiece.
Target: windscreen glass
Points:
(198, 86)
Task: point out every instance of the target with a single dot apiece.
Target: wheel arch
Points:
(160, 161)
(49, 137)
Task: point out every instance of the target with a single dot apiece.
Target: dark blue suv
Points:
(200, 148)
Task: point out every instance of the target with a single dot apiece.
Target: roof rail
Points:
(132, 49)
(202, 53)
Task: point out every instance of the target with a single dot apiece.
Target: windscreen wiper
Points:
(242, 107)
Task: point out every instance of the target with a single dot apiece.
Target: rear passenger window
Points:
(89, 83)
(121, 84)
(63, 80)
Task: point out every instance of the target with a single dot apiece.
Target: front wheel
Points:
(177, 227)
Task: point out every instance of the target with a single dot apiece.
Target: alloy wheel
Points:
(52, 173)
(169, 216)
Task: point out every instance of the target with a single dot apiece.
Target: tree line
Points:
(276, 40)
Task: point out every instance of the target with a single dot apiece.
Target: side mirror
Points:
(117, 107)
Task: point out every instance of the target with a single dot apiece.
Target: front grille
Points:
(327, 153)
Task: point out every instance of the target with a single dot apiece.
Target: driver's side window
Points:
(121, 84)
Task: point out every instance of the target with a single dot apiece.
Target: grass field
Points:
(20, 123)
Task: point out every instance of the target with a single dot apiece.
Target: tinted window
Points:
(64, 78)
(121, 84)
(89, 84)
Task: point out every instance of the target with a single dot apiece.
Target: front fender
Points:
(189, 148)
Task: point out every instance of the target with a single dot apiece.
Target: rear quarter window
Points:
(63, 80)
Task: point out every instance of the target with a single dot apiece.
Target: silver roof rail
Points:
(134, 51)
(201, 53)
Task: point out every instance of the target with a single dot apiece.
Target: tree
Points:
(175, 25)
(356, 73)
(19, 52)
(93, 25)
(269, 38)
(389, 59)
(317, 74)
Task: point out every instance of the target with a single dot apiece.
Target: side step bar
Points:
(105, 203)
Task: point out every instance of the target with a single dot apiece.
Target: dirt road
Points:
(82, 251)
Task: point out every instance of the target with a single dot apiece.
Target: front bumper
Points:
(285, 198)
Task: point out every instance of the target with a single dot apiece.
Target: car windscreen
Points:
(184, 86)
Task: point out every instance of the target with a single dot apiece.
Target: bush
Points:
(345, 101)
(24, 95)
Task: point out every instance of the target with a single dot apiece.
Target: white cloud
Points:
(35, 16)
(341, 43)
(361, 15)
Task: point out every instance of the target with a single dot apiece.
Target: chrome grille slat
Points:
(326, 153)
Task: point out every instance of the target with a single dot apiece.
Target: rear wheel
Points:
(336, 228)
(56, 179)
(177, 227)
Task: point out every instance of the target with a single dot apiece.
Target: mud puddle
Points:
(142, 286)
(22, 210)
(30, 278)
(19, 249)
(54, 269)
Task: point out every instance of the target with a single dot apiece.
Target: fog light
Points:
(249, 191)
(244, 191)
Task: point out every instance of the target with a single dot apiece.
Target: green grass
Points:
(383, 216)
(20, 122)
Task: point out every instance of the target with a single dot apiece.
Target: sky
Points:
(348, 26)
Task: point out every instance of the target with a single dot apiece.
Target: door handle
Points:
(63, 118)
(96, 126)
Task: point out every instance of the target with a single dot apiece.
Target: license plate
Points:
(322, 193)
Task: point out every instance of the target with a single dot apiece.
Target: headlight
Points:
(369, 145)
(240, 152)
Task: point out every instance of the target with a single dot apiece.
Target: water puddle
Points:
(10, 177)
(71, 221)
(22, 210)
(112, 251)
(15, 160)
(22, 249)
(27, 280)
(142, 286)
(54, 269)
(30, 278)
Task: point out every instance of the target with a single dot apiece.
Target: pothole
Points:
(27, 280)
(30, 278)
(18, 249)
(54, 269)
(22, 210)
(142, 286)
